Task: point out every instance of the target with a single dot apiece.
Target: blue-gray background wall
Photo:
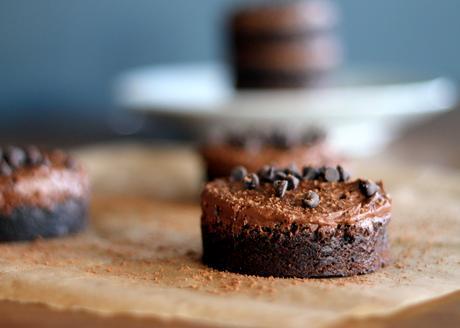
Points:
(63, 55)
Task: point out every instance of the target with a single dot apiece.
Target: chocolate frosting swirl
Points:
(340, 203)
(56, 179)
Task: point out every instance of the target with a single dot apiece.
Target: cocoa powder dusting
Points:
(139, 241)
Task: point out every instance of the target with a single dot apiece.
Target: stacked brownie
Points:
(284, 44)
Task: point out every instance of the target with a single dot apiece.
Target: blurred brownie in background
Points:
(254, 149)
(284, 44)
(43, 194)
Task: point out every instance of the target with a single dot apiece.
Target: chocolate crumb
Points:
(238, 173)
(251, 181)
(280, 188)
(311, 200)
(368, 188)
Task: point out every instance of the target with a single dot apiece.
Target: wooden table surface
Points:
(436, 142)
(440, 313)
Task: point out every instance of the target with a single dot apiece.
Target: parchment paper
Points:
(141, 255)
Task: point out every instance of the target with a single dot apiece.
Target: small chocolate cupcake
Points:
(42, 194)
(284, 223)
(253, 150)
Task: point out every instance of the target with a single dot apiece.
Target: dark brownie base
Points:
(29, 223)
(298, 252)
(262, 79)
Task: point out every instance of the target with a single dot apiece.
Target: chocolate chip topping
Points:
(238, 173)
(311, 200)
(288, 179)
(333, 202)
(15, 157)
(286, 140)
(251, 181)
(34, 155)
(5, 169)
(254, 140)
(267, 173)
(368, 188)
(280, 140)
(280, 188)
(331, 174)
(292, 181)
(70, 163)
(310, 173)
(344, 175)
(280, 175)
(293, 170)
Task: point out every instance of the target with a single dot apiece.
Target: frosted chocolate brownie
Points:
(284, 223)
(42, 194)
(254, 150)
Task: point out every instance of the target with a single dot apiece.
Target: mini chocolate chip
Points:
(46, 161)
(70, 163)
(344, 175)
(311, 200)
(267, 173)
(280, 188)
(280, 175)
(15, 157)
(310, 173)
(251, 181)
(368, 188)
(292, 181)
(293, 170)
(331, 174)
(237, 140)
(34, 156)
(281, 140)
(238, 173)
(5, 169)
(252, 145)
(312, 136)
